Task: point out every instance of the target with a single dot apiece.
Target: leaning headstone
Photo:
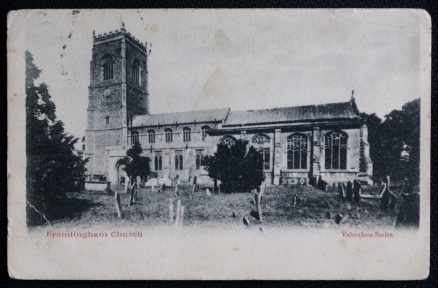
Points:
(176, 181)
(176, 192)
(349, 191)
(138, 182)
(262, 188)
(208, 192)
(258, 198)
(171, 210)
(386, 195)
(409, 212)
(117, 204)
(234, 215)
(178, 211)
(132, 194)
(181, 217)
(126, 183)
(356, 190)
(246, 221)
(341, 189)
(328, 215)
(338, 218)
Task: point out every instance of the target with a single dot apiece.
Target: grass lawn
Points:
(152, 208)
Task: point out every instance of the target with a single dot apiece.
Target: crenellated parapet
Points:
(115, 34)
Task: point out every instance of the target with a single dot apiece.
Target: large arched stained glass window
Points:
(297, 151)
(336, 150)
(228, 140)
(107, 67)
(261, 142)
(261, 139)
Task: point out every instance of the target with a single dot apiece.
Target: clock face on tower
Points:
(107, 93)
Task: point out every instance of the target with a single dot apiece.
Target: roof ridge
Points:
(190, 111)
(287, 107)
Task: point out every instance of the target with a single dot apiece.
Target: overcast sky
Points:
(243, 59)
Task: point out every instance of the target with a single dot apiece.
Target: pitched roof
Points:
(344, 110)
(211, 115)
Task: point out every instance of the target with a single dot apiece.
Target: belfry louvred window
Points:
(136, 72)
(107, 67)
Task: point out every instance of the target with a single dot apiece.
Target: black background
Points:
(6, 5)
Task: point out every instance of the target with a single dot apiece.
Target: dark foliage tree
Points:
(395, 143)
(135, 164)
(238, 168)
(53, 163)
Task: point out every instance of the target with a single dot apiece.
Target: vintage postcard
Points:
(219, 144)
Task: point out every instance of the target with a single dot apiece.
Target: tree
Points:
(53, 163)
(238, 168)
(135, 164)
(395, 143)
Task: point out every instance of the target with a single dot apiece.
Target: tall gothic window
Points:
(297, 151)
(186, 134)
(158, 161)
(151, 136)
(107, 67)
(136, 72)
(336, 150)
(204, 130)
(179, 160)
(134, 137)
(107, 118)
(228, 140)
(168, 135)
(261, 143)
(199, 158)
(266, 153)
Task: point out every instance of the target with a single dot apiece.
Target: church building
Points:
(327, 141)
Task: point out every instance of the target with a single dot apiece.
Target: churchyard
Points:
(282, 206)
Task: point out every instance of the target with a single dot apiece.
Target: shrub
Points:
(238, 168)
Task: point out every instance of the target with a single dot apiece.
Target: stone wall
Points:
(137, 98)
(110, 100)
(167, 149)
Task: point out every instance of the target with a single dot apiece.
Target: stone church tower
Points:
(117, 93)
